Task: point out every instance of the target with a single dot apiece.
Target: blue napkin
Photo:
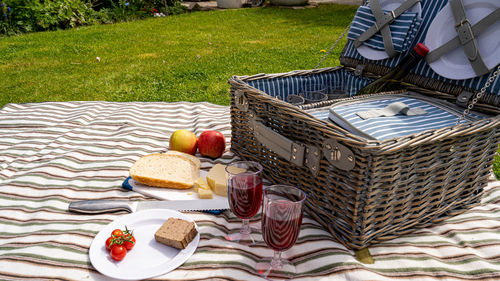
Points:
(126, 184)
(403, 29)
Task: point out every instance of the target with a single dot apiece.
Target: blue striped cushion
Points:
(429, 10)
(383, 128)
(403, 29)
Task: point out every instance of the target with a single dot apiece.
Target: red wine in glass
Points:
(244, 192)
(282, 211)
(245, 202)
(281, 234)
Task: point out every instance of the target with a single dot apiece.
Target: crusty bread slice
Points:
(194, 159)
(172, 170)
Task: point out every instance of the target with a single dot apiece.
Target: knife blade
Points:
(106, 206)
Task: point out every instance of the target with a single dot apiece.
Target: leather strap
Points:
(466, 37)
(392, 109)
(382, 22)
(294, 152)
(456, 41)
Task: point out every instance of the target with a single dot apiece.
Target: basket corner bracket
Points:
(241, 100)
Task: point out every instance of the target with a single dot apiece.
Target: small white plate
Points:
(388, 5)
(455, 65)
(148, 258)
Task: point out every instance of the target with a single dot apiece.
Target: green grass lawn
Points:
(187, 57)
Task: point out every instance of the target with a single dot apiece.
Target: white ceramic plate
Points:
(148, 258)
(455, 65)
(388, 5)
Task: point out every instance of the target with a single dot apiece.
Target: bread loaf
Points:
(177, 233)
(172, 170)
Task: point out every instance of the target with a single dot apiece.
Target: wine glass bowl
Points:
(245, 196)
(315, 93)
(282, 211)
(295, 99)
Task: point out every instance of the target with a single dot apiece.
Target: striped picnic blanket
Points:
(56, 152)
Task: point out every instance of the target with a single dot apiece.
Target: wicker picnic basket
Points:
(367, 191)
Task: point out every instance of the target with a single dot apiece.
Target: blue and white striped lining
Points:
(382, 128)
(403, 29)
(429, 10)
(283, 86)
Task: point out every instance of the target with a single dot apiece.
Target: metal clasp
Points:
(339, 155)
(240, 100)
(359, 70)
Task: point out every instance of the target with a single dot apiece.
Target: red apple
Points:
(211, 144)
(184, 141)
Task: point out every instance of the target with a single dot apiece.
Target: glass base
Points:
(244, 238)
(280, 268)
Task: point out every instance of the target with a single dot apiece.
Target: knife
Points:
(106, 206)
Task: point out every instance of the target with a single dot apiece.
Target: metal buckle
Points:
(464, 21)
(464, 31)
(393, 16)
(386, 20)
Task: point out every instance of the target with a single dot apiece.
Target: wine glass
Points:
(315, 93)
(244, 192)
(282, 210)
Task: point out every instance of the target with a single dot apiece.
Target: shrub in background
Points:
(124, 10)
(7, 25)
(39, 15)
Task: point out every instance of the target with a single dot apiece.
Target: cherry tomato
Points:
(109, 243)
(118, 252)
(128, 241)
(117, 233)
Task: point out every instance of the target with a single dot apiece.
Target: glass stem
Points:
(245, 228)
(276, 262)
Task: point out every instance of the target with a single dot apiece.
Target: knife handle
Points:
(99, 206)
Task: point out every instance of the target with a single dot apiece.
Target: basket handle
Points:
(297, 153)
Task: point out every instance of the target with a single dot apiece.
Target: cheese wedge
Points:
(217, 178)
(205, 193)
(200, 183)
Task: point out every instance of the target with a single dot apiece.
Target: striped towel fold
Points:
(403, 29)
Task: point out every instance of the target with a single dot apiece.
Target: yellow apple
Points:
(184, 141)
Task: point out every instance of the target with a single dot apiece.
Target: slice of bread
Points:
(177, 233)
(172, 170)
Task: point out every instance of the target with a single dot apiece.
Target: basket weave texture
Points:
(396, 186)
